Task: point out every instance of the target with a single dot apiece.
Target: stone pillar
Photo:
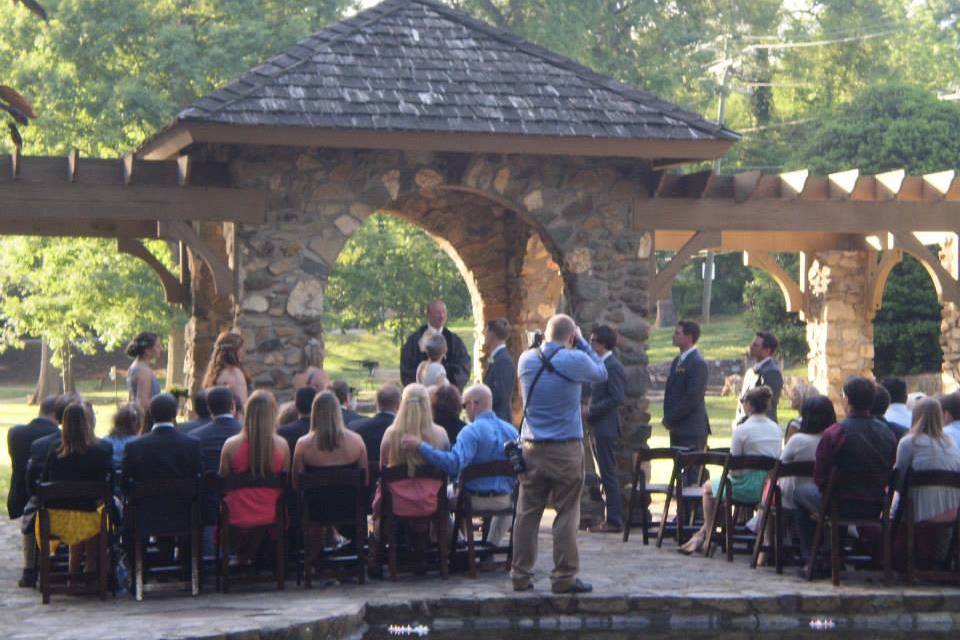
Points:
(950, 319)
(839, 333)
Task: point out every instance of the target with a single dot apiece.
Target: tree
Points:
(766, 311)
(389, 250)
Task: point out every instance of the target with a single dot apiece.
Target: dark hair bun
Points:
(139, 345)
(759, 398)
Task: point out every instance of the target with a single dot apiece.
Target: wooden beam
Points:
(701, 241)
(93, 228)
(948, 289)
(110, 171)
(173, 291)
(794, 299)
(767, 241)
(222, 274)
(877, 280)
(775, 214)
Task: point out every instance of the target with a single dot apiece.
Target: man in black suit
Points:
(223, 424)
(293, 431)
(684, 408)
(341, 389)
(764, 372)
(501, 375)
(372, 429)
(162, 454)
(457, 361)
(203, 414)
(603, 417)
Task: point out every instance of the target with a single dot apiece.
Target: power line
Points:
(820, 43)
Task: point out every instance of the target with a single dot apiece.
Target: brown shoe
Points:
(606, 527)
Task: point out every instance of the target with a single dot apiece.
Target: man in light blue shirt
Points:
(551, 381)
(480, 441)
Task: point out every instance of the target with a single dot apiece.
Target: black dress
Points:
(93, 465)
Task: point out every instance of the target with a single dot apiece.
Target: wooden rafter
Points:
(174, 291)
(877, 279)
(222, 274)
(794, 297)
(660, 283)
(948, 289)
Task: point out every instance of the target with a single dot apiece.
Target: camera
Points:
(514, 452)
(537, 340)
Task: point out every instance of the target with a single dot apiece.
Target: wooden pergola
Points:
(129, 200)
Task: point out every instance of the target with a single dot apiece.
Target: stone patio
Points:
(634, 587)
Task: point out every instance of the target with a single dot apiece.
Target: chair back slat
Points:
(751, 463)
(487, 470)
(399, 472)
(47, 491)
(795, 469)
(318, 478)
(702, 458)
(168, 487)
(237, 481)
(933, 478)
(660, 453)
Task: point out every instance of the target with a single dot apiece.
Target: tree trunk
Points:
(67, 372)
(47, 381)
(666, 314)
(175, 348)
(708, 269)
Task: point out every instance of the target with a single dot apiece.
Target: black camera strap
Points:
(545, 365)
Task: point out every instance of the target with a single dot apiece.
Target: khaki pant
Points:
(498, 524)
(554, 477)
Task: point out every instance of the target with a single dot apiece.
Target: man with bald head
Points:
(456, 362)
(480, 441)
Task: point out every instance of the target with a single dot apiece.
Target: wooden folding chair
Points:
(315, 484)
(688, 498)
(921, 479)
(236, 482)
(733, 509)
(390, 521)
(641, 490)
(837, 499)
(138, 496)
(465, 512)
(772, 507)
(48, 492)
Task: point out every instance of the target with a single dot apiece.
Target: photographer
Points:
(551, 379)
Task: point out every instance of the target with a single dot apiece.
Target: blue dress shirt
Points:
(479, 442)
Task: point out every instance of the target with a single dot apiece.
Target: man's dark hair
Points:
(951, 404)
(163, 408)
(499, 327)
(341, 389)
(897, 387)
(881, 401)
(48, 406)
(860, 392)
(690, 328)
(304, 400)
(220, 400)
(816, 414)
(63, 401)
(769, 341)
(200, 404)
(605, 335)
(388, 397)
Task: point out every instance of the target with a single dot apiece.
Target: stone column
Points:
(950, 320)
(839, 334)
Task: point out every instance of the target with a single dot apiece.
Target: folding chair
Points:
(732, 508)
(688, 498)
(139, 494)
(465, 513)
(238, 482)
(390, 520)
(837, 500)
(773, 507)
(641, 490)
(922, 479)
(317, 484)
(48, 492)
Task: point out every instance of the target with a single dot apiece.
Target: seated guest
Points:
(19, 440)
(897, 413)
(801, 391)
(414, 419)
(927, 448)
(372, 429)
(480, 441)
(859, 443)
(287, 412)
(881, 404)
(950, 404)
(300, 426)
(446, 405)
(79, 458)
(758, 435)
(223, 425)
(259, 451)
(431, 371)
(127, 423)
(162, 454)
(203, 414)
(342, 390)
(312, 377)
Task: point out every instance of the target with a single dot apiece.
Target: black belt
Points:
(486, 494)
(562, 441)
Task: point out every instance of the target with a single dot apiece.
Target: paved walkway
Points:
(630, 581)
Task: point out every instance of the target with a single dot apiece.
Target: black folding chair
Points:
(732, 509)
(390, 520)
(688, 498)
(772, 507)
(465, 511)
(225, 530)
(950, 572)
(51, 492)
(317, 487)
(641, 490)
(139, 494)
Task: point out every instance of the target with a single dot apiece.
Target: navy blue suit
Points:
(603, 416)
(212, 436)
(190, 426)
(19, 440)
(501, 377)
(372, 430)
(293, 431)
(684, 407)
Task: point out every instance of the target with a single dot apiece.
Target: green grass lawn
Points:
(725, 338)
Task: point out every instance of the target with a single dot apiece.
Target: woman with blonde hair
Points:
(226, 366)
(259, 451)
(431, 371)
(799, 394)
(414, 418)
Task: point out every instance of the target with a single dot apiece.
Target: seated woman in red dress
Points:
(257, 450)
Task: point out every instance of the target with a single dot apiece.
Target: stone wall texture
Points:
(950, 320)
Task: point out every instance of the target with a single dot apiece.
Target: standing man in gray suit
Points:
(764, 372)
(501, 375)
(603, 416)
(684, 407)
